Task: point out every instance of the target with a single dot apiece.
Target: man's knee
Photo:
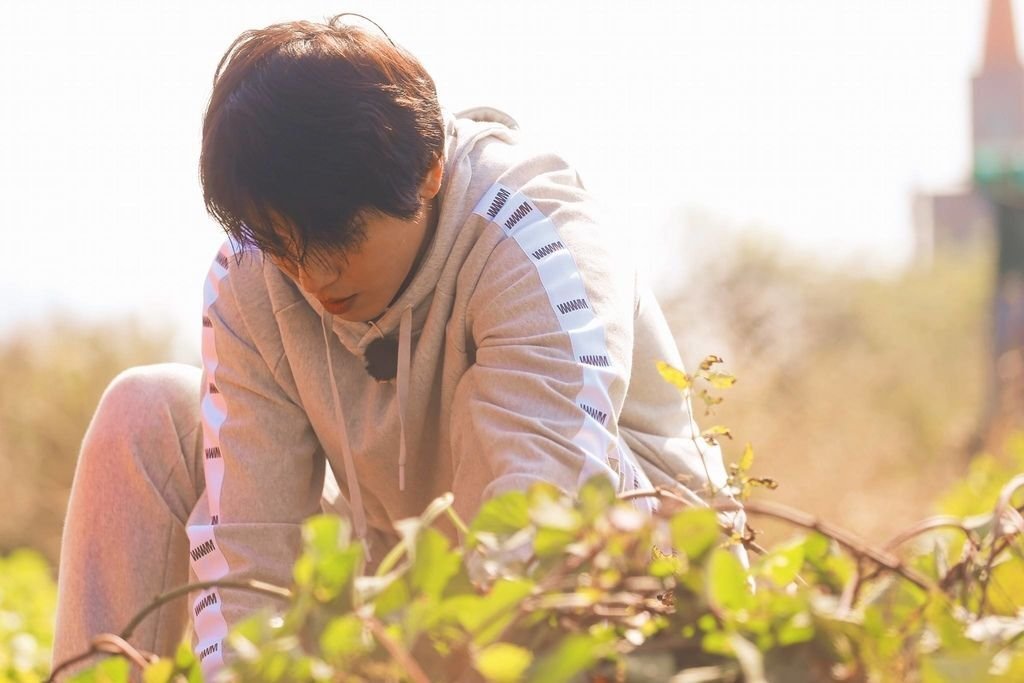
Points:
(151, 392)
(146, 409)
(145, 433)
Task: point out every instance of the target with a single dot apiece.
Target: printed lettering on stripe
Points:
(207, 560)
(572, 305)
(519, 214)
(207, 616)
(204, 601)
(211, 658)
(547, 250)
(513, 211)
(497, 202)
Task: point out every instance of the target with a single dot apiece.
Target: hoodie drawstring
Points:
(355, 493)
(402, 379)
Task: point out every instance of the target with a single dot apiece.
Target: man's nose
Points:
(315, 275)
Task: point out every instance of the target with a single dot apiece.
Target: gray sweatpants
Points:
(139, 474)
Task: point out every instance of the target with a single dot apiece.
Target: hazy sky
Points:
(808, 120)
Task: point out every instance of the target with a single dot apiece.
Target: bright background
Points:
(807, 121)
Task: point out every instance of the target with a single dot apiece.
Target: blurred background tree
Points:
(54, 372)
(863, 396)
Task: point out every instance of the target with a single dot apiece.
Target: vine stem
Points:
(110, 641)
(802, 519)
(852, 589)
(251, 586)
(930, 524)
(1004, 508)
(396, 650)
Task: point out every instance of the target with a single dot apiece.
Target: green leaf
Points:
(711, 434)
(336, 571)
(950, 631)
(110, 670)
(84, 676)
(694, 531)
(159, 672)
(798, 628)
(491, 613)
(1006, 587)
(393, 597)
(674, 376)
(344, 637)
(747, 461)
(816, 548)
(720, 380)
(548, 542)
(326, 534)
(596, 496)
(710, 400)
(717, 643)
(503, 514)
(554, 514)
(557, 523)
(304, 571)
(783, 563)
(667, 565)
(185, 660)
(727, 582)
(577, 653)
(435, 563)
(947, 667)
(329, 559)
(503, 662)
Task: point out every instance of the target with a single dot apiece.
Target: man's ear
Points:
(432, 183)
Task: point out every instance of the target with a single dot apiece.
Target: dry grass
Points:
(53, 375)
(861, 396)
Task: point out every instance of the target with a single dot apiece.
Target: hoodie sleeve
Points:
(264, 468)
(551, 326)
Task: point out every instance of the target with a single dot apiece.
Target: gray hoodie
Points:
(525, 351)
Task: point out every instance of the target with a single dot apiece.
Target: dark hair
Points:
(316, 125)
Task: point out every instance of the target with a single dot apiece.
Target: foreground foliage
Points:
(28, 598)
(546, 588)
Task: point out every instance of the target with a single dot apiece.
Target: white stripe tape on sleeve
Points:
(536, 235)
(208, 562)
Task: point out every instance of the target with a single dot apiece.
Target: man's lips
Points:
(339, 306)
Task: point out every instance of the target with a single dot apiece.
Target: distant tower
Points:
(961, 217)
(997, 125)
(988, 210)
(998, 137)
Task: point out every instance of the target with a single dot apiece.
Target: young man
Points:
(415, 301)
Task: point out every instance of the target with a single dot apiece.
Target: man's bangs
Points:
(251, 224)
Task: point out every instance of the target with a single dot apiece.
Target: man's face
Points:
(361, 282)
